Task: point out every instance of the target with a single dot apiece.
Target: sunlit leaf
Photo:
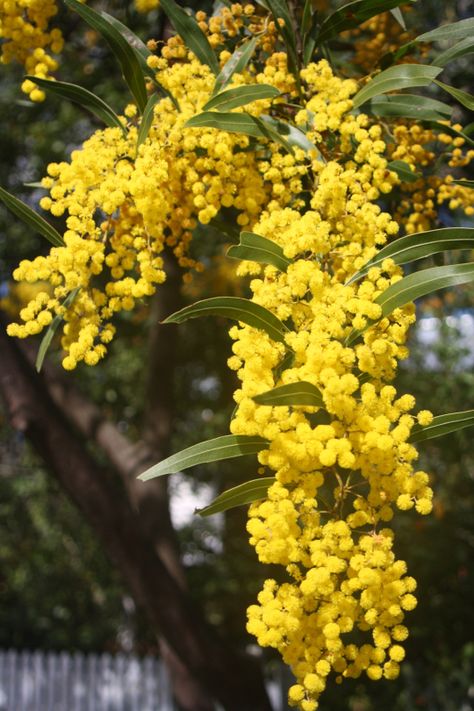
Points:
(299, 393)
(123, 51)
(235, 64)
(465, 183)
(442, 425)
(452, 31)
(259, 249)
(147, 119)
(416, 285)
(31, 218)
(239, 496)
(213, 450)
(418, 246)
(192, 35)
(403, 76)
(397, 13)
(240, 96)
(238, 123)
(236, 308)
(409, 106)
(292, 134)
(53, 327)
(84, 98)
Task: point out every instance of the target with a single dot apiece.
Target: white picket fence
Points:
(39, 681)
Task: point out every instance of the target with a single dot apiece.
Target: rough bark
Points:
(230, 679)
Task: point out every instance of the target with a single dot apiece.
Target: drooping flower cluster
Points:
(341, 470)
(125, 204)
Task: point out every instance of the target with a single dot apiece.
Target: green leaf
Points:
(441, 425)
(465, 46)
(404, 171)
(147, 119)
(397, 13)
(465, 183)
(352, 15)
(292, 135)
(453, 31)
(192, 35)
(235, 64)
(300, 393)
(238, 123)
(236, 308)
(239, 496)
(52, 328)
(259, 249)
(240, 96)
(463, 97)
(416, 285)
(84, 98)
(307, 18)
(402, 76)
(420, 245)
(213, 450)
(409, 106)
(142, 52)
(123, 51)
(31, 218)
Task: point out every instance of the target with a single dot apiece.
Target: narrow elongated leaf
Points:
(52, 328)
(463, 97)
(147, 119)
(420, 245)
(465, 46)
(259, 249)
(123, 51)
(402, 76)
(31, 218)
(192, 35)
(236, 308)
(300, 393)
(213, 450)
(465, 183)
(238, 496)
(266, 125)
(352, 15)
(403, 171)
(424, 282)
(238, 123)
(416, 285)
(142, 52)
(84, 98)
(307, 18)
(409, 106)
(240, 96)
(452, 31)
(397, 13)
(441, 425)
(293, 135)
(309, 39)
(235, 64)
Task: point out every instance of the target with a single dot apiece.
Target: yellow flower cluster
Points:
(421, 149)
(376, 37)
(123, 206)
(27, 39)
(341, 470)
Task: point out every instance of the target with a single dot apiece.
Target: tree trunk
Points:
(234, 681)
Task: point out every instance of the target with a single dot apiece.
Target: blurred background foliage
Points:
(58, 591)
